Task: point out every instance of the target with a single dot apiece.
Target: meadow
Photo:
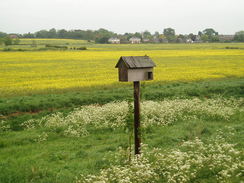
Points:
(64, 117)
(26, 73)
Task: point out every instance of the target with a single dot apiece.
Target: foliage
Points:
(147, 35)
(102, 35)
(102, 40)
(71, 34)
(169, 33)
(210, 32)
(209, 35)
(239, 36)
(2, 34)
(7, 41)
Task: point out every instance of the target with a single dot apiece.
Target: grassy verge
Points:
(156, 91)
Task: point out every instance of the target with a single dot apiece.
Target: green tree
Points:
(102, 35)
(205, 38)
(128, 35)
(102, 40)
(239, 36)
(210, 32)
(28, 35)
(210, 35)
(7, 41)
(2, 34)
(137, 34)
(62, 33)
(169, 33)
(147, 35)
(41, 34)
(52, 33)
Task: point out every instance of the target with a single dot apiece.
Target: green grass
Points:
(150, 91)
(61, 159)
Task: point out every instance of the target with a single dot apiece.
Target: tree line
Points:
(103, 35)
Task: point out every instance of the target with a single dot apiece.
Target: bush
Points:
(56, 46)
(79, 48)
(229, 47)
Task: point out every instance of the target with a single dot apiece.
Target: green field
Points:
(64, 117)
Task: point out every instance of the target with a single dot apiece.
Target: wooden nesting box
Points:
(135, 68)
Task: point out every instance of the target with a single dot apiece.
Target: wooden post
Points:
(137, 117)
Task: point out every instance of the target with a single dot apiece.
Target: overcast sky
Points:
(185, 16)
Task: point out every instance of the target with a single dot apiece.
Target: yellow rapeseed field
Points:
(34, 72)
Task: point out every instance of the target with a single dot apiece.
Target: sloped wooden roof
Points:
(136, 62)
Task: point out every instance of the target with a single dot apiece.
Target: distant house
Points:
(114, 40)
(226, 38)
(135, 40)
(189, 40)
(145, 40)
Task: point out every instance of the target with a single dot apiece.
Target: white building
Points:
(135, 40)
(189, 40)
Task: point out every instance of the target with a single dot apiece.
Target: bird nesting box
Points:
(135, 68)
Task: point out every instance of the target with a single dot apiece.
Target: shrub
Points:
(56, 46)
(79, 48)
(230, 47)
